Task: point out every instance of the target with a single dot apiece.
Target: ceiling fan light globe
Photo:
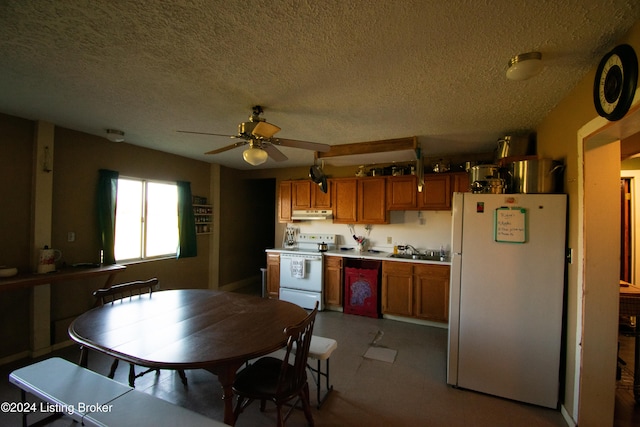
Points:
(255, 156)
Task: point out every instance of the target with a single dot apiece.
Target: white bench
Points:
(95, 400)
(320, 349)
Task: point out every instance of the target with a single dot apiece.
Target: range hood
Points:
(311, 215)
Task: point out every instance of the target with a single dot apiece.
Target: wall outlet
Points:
(389, 240)
(71, 236)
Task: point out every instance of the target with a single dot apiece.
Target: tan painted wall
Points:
(77, 158)
(16, 152)
(557, 138)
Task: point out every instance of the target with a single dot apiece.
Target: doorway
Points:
(599, 151)
(626, 225)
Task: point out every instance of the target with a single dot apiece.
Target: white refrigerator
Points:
(506, 297)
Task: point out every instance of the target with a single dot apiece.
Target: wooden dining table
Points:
(189, 329)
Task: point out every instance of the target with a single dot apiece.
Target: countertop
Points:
(376, 255)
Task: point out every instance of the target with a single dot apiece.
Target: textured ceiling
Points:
(333, 71)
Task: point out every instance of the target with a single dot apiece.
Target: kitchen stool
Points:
(320, 349)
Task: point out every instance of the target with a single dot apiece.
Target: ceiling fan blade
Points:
(207, 133)
(265, 130)
(228, 147)
(315, 146)
(274, 153)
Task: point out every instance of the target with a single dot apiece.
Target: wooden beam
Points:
(370, 147)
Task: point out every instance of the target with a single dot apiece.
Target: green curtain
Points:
(107, 193)
(187, 244)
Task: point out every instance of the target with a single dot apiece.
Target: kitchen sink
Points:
(420, 257)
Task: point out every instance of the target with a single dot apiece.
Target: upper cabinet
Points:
(368, 200)
(372, 202)
(402, 193)
(460, 182)
(320, 200)
(436, 192)
(359, 200)
(284, 202)
(343, 200)
(301, 195)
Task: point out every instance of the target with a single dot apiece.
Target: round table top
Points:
(187, 329)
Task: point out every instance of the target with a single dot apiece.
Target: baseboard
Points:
(14, 357)
(567, 417)
(416, 321)
(233, 286)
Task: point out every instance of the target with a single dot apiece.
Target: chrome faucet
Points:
(414, 251)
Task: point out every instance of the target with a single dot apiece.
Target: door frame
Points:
(598, 146)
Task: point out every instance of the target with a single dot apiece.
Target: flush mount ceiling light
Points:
(255, 155)
(115, 135)
(524, 66)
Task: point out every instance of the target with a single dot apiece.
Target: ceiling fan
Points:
(258, 133)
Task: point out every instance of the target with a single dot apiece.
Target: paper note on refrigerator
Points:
(510, 225)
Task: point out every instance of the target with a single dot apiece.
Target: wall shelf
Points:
(203, 214)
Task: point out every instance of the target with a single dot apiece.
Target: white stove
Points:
(301, 269)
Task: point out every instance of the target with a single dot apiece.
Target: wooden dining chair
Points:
(279, 380)
(120, 293)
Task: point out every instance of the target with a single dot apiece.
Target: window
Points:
(146, 219)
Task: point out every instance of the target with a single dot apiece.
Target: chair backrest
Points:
(293, 375)
(125, 290)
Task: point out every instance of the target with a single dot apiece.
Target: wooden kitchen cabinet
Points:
(273, 275)
(402, 193)
(300, 195)
(343, 200)
(359, 201)
(460, 182)
(436, 192)
(320, 200)
(284, 201)
(432, 292)
(333, 281)
(416, 290)
(397, 288)
(372, 202)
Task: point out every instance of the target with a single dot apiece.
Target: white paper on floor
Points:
(382, 354)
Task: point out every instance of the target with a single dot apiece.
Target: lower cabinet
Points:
(333, 281)
(397, 288)
(432, 292)
(273, 275)
(416, 290)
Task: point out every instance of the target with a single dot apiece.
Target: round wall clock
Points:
(615, 82)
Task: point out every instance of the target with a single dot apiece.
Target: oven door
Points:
(301, 279)
(300, 271)
(304, 299)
